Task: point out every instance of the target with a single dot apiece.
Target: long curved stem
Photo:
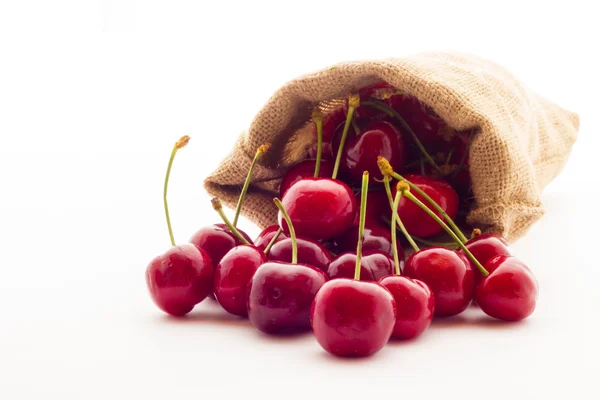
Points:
(396, 220)
(216, 203)
(291, 228)
(361, 223)
(353, 103)
(178, 145)
(259, 152)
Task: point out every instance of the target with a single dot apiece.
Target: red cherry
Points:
(509, 292)
(360, 152)
(216, 240)
(414, 305)
(279, 296)
(319, 208)
(264, 238)
(304, 169)
(417, 222)
(310, 252)
(378, 205)
(375, 238)
(484, 248)
(371, 91)
(449, 276)
(179, 279)
(424, 122)
(352, 318)
(331, 123)
(232, 276)
(373, 266)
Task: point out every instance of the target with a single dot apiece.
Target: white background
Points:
(94, 93)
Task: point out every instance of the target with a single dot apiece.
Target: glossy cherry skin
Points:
(232, 275)
(279, 296)
(180, 278)
(416, 221)
(353, 318)
(378, 206)
(216, 240)
(373, 266)
(360, 152)
(264, 238)
(310, 252)
(449, 276)
(304, 169)
(319, 208)
(375, 238)
(509, 292)
(415, 305)
(484, 248)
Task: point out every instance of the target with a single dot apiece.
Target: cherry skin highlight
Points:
(352, 318)
(448, 274)
(279, 296)
(375, 238)
(319, 208)
(415, 305)
(374, 265)
(216, 240)
(304, 169)
(180, 278)
(509, 292)
(310, 252)
(264, 238)
(232, 275)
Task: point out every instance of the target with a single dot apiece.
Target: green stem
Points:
(291, 228)
(355, 127)
(353, 103)
(216, 203)
(393, 113)
(178, 145)
(361, 223)
(273, 240)
(423, 207)
(319, 124)
(396, 220)
(259, 152)
(432, 243)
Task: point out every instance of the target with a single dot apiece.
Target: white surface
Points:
(92, 97)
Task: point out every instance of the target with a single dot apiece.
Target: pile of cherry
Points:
(335, 263)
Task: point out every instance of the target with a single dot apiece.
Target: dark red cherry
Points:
(279, 296)
(417, 222)
(375, 238)
(264, 238)
(304, 169)
(360, 152)
(310, 252)
(319, 208)
(232, 275)
(216, 240)
(331, 123)
(378, 206)
(373, 266)
(484, 248)
(375, 91)
(415, 305)
(423, 121)
(352, 318)
(449, 276)
(509, 292)
(180, 278)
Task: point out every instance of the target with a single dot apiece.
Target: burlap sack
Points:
(522, 140)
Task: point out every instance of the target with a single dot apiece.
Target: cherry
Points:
(351, 318)
(360, 152)
(509, 292)
(373, 266)
(304, 169)
(264, 238)
(378, 90)
(319, 208)
(484, 248)
(425, 123)
(310, 252)
(377, 206)
(217, 240)
(182, 277)
(232, 276)
(279, 295)
(376, 238)
(329, 126)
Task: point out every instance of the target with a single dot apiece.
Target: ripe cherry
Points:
(376, 238)
(377, 207)
(182, 277)
(310, 252)
(304, 169)
(351, 318)
(509, 292)
(217, 240)
(264, 238)
(279, 295)
(373, 266)
(484, 248)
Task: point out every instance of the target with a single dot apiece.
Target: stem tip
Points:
(354, 100)
(182, 142)
(216, 204)
(317, 115)
(476, 232)
(384, 166)
(403, 187)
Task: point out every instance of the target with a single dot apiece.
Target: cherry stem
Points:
(355, 127)
(259, 152)
(291, 227)
(178, 145)
(387, 171)
(317, 117)
(273, 240)
(394, 114)
(396, 220)
(353, 103)
(405, 189)
(216, 203)
(432, 243)
(361, 223)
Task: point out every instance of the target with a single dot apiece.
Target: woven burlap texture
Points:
(522, 140)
